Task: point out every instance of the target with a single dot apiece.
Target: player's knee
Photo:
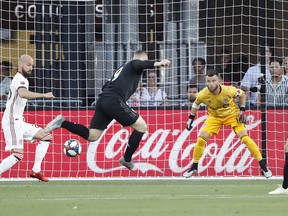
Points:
(18, 155)
(47, 138)
(244, 138)
(142, 127)
(93, 137)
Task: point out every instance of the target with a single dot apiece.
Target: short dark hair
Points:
(211, 72)
(139, 52)
(192, 86)
(203, 62)
(225, 51)
(7, 64)
(275, 59)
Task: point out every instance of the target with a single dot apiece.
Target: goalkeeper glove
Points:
(242, 118)
(190, 122)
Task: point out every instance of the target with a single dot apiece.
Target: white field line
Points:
(146, 178)
(154, 196)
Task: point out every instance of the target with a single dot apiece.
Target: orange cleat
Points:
(39, 176)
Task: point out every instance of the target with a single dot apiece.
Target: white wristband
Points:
(196, 106)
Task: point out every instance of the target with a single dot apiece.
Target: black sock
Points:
(285, 175)
(133, 144)
(263, 165)
(78, 129)
(194, 167)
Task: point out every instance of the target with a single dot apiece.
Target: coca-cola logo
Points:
(171, 149)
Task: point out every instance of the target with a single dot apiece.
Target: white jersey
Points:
(15, 105)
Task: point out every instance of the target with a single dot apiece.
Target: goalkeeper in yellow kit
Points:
(222, 110)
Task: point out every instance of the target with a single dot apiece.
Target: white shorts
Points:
(16, 133)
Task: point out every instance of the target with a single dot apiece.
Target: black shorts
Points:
(109, 108)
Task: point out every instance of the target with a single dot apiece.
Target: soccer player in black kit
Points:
(111, 104)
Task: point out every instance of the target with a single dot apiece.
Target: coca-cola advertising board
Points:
(165, 151)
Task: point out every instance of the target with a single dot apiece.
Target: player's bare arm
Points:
(24, 93)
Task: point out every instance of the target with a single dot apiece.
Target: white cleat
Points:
(267, 174)
(279, 190)
(189, 173)
(54, 124)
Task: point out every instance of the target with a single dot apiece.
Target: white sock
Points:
(40, 153)
(7, 163)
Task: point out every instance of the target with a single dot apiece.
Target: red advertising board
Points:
(165, 151)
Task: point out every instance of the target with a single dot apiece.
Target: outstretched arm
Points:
(163, 63)
(24, 93)
(148, 64)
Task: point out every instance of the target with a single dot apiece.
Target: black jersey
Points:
(124, 81)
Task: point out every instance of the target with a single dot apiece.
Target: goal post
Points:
(78, 44)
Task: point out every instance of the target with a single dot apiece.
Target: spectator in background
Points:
(285, 65)
(134, 100)
(8, 66)
(241, 66)
(192, 91)
(198, 77)
(224, 66)
(277, 85)
(5, 81)
(152, 95)
(227, 69)
(250, 82)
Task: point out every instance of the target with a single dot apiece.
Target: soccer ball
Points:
(72, 148)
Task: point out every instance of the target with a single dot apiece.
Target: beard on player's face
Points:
(212, 88)
(26, 73)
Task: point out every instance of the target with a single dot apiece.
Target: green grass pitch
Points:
(142, 197)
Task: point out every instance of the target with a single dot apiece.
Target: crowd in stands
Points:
(238, 73)
(249, 78)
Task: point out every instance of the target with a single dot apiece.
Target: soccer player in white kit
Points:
(15, 129)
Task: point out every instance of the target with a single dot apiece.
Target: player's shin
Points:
(133, 144)
(199, 148)
(78, 129)
(10, 161)
(41, 150)
(251, 145)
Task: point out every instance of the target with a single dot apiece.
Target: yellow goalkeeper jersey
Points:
(220, 105)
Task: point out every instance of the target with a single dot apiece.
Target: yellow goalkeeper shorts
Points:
(212, 124)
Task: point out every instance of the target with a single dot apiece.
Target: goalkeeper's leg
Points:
(197, 154)
(254, 150)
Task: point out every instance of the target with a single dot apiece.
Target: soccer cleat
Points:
(265, 170)
(54, 124)
(279, 190)
(128, 165)
(190, 172)
(39, 176)
(268, 173)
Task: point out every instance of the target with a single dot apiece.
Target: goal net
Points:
(78, 44)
